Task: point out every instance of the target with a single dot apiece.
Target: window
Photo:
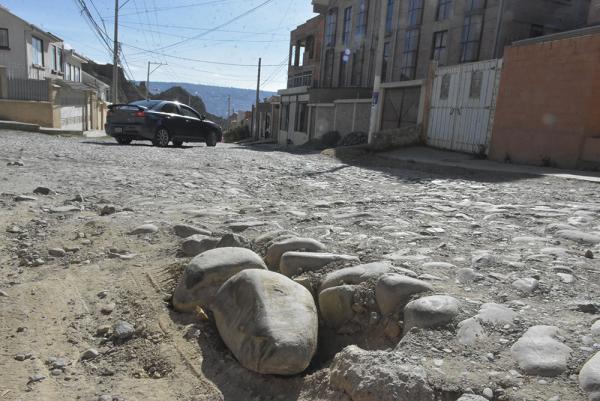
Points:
(4, 38)
(328, 77)
(471, 38)
(344, 58)
(445, 87)
(347, 26)
(301, 117)
(77, 74)
(59, 57)
(169, 108)
(285, 117)
(357, 67)
(415, 12)
(475, 5)
(187, 112)
(476, 82)
(440, 47)
(68, 72)
(361, 21)
(330, 27)
(389, 17)
(37, 48)
(409, 55)
(443, 9)
(536, 31)
(386, 61)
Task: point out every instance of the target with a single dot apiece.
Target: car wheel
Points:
(161, 138)
(211, 139)
(123, 141)
(178, 144)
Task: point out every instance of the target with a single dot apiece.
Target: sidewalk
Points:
(419, 154)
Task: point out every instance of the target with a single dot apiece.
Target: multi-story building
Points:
(420, 31)
(305, 53)
(594, 15)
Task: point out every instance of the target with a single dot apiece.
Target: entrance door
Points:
(462, 105)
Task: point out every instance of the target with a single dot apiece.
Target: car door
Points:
(193, 124)
(172, 119)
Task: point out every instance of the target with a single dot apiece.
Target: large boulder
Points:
(268, 321)
(208, 271)
(430, 312)
(379, 376)
(278, 248)
(294, 263)
(361, 273)
(197, 244)
(393, 291)
(273, 236)
(335, 305)
(539, 353)
(589, 378)
(496, 314)
(234, 241)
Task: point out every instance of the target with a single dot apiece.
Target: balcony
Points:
(298, 80)
(320, 6)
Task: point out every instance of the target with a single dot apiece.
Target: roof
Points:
(32, 26)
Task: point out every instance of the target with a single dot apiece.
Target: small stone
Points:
(108, 210)
(472, 397)
(15, 163)
(198, 244)
(21, 357)
(24, 198)
(488, 393)
(184, 231)
(38, 377)
(144, 229)
(89, 354)
(102, 330)
(65, 209)
(526, 285)
(43, 191)
(430, 312)
(78, 198)
(589, 254)
(56, 372)
(102, 294)
(108, 309)
(3, 293)
(57, 252)
(14, 230)
(566, 278)
(105, 397)
(123, 330)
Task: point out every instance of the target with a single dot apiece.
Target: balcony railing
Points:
(303, 79)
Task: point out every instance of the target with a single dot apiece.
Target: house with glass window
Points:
(27, 51)
(417, 34)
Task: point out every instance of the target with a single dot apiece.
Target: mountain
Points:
(215, 97)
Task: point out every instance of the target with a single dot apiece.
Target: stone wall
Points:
(396, 138)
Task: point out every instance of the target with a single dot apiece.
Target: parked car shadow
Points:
(134, 144)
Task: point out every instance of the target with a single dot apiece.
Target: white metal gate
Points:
(462, 105)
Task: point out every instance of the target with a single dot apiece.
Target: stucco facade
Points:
(18, 56)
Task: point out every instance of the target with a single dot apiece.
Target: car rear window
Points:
(149, 104)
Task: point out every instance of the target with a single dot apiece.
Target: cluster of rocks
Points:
(270, 312)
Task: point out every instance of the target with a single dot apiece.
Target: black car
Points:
(161, 122)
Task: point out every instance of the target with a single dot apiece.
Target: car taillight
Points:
(140, 114)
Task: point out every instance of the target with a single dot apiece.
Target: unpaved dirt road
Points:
(53, 308)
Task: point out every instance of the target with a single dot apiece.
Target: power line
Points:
(152, 10)
(242, 15)
(195, 60)
(194, 28)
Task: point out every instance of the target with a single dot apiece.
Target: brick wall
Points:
(549, 102)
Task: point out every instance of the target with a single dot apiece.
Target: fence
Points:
(27, 89)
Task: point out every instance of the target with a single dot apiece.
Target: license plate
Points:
(118, 130)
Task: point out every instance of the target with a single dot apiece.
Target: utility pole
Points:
(158, 65)
(376, 106)
(228, 111)
(115, 83)
(256, 113)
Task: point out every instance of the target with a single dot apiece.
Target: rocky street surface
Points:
(90, 256)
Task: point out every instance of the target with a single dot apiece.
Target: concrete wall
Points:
(548, 103)
(40, 113)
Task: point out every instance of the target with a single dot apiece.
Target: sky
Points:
(175, 32)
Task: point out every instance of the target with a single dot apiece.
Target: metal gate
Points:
(462, 105)
(72, 103)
